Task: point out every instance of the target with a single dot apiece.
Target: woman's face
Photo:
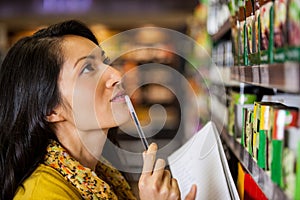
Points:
(90, 89)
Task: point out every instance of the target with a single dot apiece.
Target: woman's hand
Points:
(156, 182)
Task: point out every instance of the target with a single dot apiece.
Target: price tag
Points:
(255, 74)
(242, 74)
(264, 72)
(291, 76)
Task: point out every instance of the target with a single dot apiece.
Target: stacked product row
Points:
(265, 31)
(269, 131)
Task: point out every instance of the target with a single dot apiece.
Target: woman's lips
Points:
(119, 97)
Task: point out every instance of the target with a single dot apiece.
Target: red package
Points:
(251, 189)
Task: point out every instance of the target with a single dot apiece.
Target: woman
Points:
(58, 100)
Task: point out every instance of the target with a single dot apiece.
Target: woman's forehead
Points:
(77, 46)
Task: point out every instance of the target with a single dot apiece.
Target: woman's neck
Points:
(86, 147)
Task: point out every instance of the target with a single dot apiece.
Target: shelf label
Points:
(242, 74)
(255, 75)
(291, 76)
(264, 71)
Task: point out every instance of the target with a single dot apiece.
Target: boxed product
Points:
(254, 56)
(280, 30)
(240, 180)
(266, 28)
(251, 189)
(282, 120)
(250, 17)
(261, 131)
(255, 133)
(246, 140)
(289, 161)
(293, 33)
(234, 20)
(264, 113)
(235, 40)
(242, 40)
(235, 112)
(264, 132)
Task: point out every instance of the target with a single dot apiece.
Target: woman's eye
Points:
(106, 60)
(87, 68)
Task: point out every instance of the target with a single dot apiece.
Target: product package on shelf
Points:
(235, 38)
(241, 181)
(247, 116)
(254, 51)
(265, 31)
(271, 135)
(290, 100)
(250, 17)
(242, 37)
(235, 28)
(289, 161)
(293, 49)
(252, 190)
(282, 120)
(280, 30)
(267, 123)
(247, 187)
(264, 135)
(266, 28)
(261, 132)
(235, 111)
(255, 131)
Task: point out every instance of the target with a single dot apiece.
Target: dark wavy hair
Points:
(29, 92)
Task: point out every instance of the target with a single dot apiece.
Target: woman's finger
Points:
(192, 194)
(175, 192)
(149, 157)
(166, 178)
(159, 168)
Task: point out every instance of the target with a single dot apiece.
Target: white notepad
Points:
(202, 161)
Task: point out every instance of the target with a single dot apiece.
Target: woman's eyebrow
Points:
(82, 58)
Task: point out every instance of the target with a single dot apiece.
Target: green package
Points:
(276, 164)
(293, 49)
(280, 32)
(266, 36)
(262, 149)
(254, 57)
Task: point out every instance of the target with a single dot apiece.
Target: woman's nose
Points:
(114, 77)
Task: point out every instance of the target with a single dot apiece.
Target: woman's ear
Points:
(55, 116)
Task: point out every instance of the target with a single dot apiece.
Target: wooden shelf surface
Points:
(282, 76)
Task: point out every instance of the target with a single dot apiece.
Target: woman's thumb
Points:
(192, 194)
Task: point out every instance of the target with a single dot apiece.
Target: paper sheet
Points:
(199, 162)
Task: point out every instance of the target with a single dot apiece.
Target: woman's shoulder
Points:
(46, 183)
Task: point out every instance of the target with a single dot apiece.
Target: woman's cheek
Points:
(84, 109)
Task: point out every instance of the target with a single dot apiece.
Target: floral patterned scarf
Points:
(105, 183)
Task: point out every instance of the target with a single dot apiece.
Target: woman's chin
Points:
(120, 113)
(122, 119)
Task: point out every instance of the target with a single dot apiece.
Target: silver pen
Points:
(136, 122)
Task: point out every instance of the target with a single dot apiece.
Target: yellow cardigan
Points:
(46, 183)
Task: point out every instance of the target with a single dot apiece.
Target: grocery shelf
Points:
(223, 79)
(263, 180)
(225, 28)
(282, 76)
